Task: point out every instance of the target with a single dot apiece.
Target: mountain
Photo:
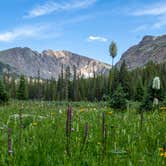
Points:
(28, 62)
(151, 48)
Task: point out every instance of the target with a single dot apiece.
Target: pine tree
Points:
(22, 93)
(4, 96)
(13, 87)
(113, 51)
(75, 85)
(124, 78)
(139, 91)
(39, 86)
(118, 99)
(58, 89)
(67, 83)
(62, 84)
(115, 80)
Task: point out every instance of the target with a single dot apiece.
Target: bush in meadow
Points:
(118, 99)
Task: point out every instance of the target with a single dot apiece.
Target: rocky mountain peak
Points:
(28, 62)
(147, 39)
(150, 48)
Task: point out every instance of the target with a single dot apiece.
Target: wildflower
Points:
(156, 83)
(81, 110)
(52, 113)
(109, 113)
(163, 154)
(98, 143)
(34, 123)
(60, 111)
(162, 108)
(155, 101)
(161, 149)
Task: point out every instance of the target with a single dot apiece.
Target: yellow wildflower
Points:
(109, 113)
(163, 154)
(52, 113)
(99, 143)
(161, 149)
(81, 110)
(162, 108)
(34, 123)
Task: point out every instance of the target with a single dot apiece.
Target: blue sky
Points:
(82, 26)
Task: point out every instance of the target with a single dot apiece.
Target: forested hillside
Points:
(98, 88)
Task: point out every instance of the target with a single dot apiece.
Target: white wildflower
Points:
(156, 83)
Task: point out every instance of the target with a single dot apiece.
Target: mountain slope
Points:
(151, 48)
(28, 62)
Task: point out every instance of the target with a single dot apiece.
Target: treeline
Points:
(76, 88)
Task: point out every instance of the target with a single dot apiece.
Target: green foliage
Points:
(42, 141)
(118, 99)
(4, 96)
(139, 92)
(113, 50)
(150, 94)
(113, 80)
(147, 103)
(22, 93)
(163, 103)
(124, 78)
(78, 88)
(67, 83)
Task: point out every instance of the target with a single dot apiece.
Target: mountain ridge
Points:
(28, 62)
(150, 48)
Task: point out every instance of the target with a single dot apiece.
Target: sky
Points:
(86, 27)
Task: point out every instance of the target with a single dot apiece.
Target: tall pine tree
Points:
(22, 93)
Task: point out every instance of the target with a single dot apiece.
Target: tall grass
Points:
(94, 131)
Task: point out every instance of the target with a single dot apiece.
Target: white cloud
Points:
(52, 6)
(97, 38)
(22, 32)
(160, 23)
(154, 10)
(158, 11)
(140, 28)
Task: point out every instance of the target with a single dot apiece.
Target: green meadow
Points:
(34, 133)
